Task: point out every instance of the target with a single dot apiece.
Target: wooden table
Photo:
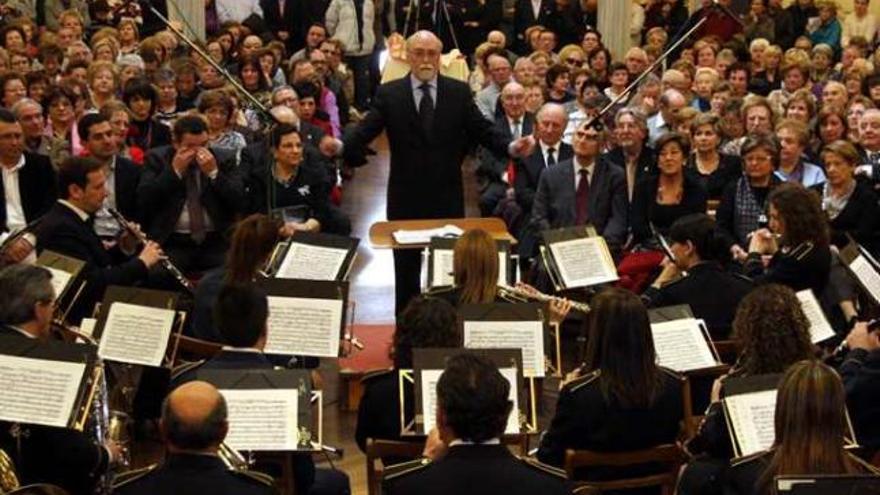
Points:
(381, 232)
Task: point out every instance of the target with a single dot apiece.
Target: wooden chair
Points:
(194, 349)
(670, 456)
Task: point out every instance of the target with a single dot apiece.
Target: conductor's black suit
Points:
(425, 178)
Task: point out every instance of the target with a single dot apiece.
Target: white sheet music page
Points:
(820, 329)
(867, 275)
(583, 262)
(429, 399)
(303, 326)
(262, 419)
(60, 280)
(136, 334)
(423, 236)
(528, 336)
(441, 268)
(38, 391)
(308, 262)
(681, 345)
(751, 415)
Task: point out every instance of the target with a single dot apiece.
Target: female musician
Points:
(713, 169)
(696, 276)
(810, 424)
(622, 399)
(253, 241)
(773, 333)
(801, 258)
(475, 276)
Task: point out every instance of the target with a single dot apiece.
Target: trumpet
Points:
(166, 263)
(578, 306)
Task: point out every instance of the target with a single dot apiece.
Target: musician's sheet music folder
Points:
(828, 485)
(135, 325)
(65, 270)
(44, 382)
(577, 257)
(861, 265)
(428, 365)
(507, 326)
(269, 410)
(306, 317)
(440, 262)
(749, 408)
(317, 256)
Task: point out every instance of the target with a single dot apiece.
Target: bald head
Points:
(497, 38)
(194, 417)
(284, 114)
(671, 101)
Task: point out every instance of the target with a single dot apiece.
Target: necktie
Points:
(580, 197)
(194, 206)
(551, 160)
(426, 108)
(517, 133)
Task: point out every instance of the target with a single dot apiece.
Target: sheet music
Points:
(867, 275)
(136, 334)
(308, 262)
(304, 326)
(820, 329)
(262, 419)
(528, 336)
(87, 326)
(60, 280)
(751, 416)
(441, 269)
(429, 399)
(38, 391)
(681, 345)
(423, 236)
(583, 262)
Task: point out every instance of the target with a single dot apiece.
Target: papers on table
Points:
(310, 262)
(682, 345)
(136, 334)
(39, 391)
(429, 379)
(441, 268)
(304, 326)
(750, 417)
(820, 329)
(262, 419)
(424, 236)
(528, 336)
(582, 262)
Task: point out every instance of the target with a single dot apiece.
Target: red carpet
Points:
(374, 356)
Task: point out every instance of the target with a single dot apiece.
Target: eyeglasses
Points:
(574, 61)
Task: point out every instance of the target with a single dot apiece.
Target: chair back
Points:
(194, 349)
(377, 449)
(669, 456)
(728, 350)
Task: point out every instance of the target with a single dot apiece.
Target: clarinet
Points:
(166, 263)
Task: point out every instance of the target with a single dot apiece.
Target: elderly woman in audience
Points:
(218, 109)
(743, 206)
(103, 83)
(59, 105)
(772, 332)
(801, 106)
(854, 111)
(713, 169)
(619, 399)
(811, 426)
(794, 137)
(831, 126)
(14, 88)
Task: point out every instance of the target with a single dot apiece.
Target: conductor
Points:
(431, 121)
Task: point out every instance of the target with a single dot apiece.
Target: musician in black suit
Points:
(241, 315)
(96, 134)
(28, 185)
(287, 25)
(525, 16)
(67, 229)
(556, 202)
(513, 123)
(431, 120)
(194, 424)
(465, 450)
(42, 454)
(860, 372)
(190, 195)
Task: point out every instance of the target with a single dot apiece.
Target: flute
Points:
(843, 348)
(166, 263)
(541, 297)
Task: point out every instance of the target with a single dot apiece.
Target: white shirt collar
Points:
(242, 349)
(18, 165)
(491, 441)
(577, 167)
(81, 214)
(19, 330)
(416, 82)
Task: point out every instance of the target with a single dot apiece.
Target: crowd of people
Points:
(751, 148)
